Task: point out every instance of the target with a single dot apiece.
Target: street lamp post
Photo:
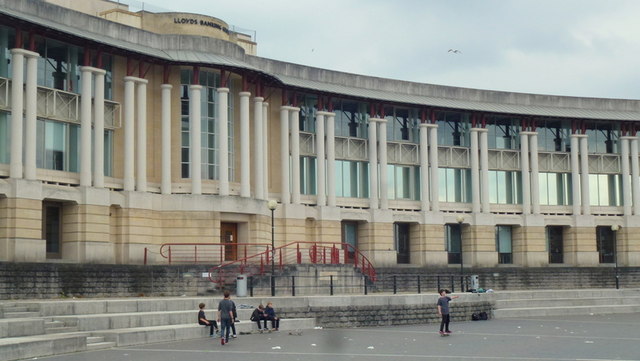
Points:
(615, 229)
(460, 220)
(272, 204)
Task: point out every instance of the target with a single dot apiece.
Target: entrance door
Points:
(229, 236)
(52, 228)
(606, 244)
(401, 235)
(555, 244)
(350, 237)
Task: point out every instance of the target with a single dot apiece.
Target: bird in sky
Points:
(455, 51)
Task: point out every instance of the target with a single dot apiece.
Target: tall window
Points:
(209, 147)
(605, 189)
(7, 36)
(453, 242)
(554, 135)
(402, 124)
(504, 244)
(351, 119)
(5, 135)
(603, 138)
(308, 114)
(308, 175)
(555, 189)
(403, 182)
(352, 179)
(503, 133)
(58, 145)
(504, 187)
(453, 128)
(455, 185)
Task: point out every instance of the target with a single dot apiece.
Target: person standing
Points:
(225, 317)
(443, 311)
(202, 319)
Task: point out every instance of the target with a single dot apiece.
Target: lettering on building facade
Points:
(191, 21)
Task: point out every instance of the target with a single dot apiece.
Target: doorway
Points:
(401, 242)
(350, 239)
(555, 244)
(229, 237)
(52, 228)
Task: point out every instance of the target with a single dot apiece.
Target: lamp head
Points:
(272, 204)
(615, 227)
(460, 219)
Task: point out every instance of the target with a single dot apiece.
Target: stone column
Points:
(433, 161)
(475, 172)
(223, 141)
(535, 180)
(31, 102)
(424, 167)
(17, 106)
(635, 175)
(382, 151)
(373, 164)
(85, 126)
(141, 133)
(196, 144)
(166, 138)
(284, 154)
(331, 160)
(320, 174)
(265, 149)
(626, 181)
(524, 169)
(129, 132)
(98, 128)
(245, 145)
(575, 175)
(258, 139)
(484, 170)
(295, 155)
(584, 175)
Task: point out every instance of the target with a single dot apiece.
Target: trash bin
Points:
(474, 282)
(241, 286)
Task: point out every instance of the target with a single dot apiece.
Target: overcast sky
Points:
(563, 47)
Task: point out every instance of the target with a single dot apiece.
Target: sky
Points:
(587, 48)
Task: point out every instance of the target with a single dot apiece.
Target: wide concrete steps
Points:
(565, 302)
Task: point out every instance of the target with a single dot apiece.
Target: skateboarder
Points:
(443, 311)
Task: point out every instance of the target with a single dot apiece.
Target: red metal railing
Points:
(293, 253)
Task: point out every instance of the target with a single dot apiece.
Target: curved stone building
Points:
(121, 131)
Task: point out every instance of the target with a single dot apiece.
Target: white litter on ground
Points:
(370, 347)
(276, 348)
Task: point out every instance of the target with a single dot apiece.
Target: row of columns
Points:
(630, 175)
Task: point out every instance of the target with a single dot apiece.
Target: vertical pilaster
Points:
(295, 155)
(433, 162)
(535, 181)
(98, 128)
(575, 174)
(31, 98)
(484, 170)
(373, 164)
(626, 181)
(524, 169)
(223, 141)
(424, 167)
(196, 144)
(258, 139)
(320, 154)
(635, 175)
(17, 106)
(245, 165)
(129, 132)
(475, 171)
(382, 151)
(284, 154)
(265, 149)
(85, 126)
(141, 133)
(584, 175)
(331, 160)
(166, 138)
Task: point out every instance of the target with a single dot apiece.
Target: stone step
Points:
(100, 346)
(563, 311)
(62, 329)
(21, 314)
(524, 303)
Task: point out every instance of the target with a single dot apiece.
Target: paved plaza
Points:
(596, 337)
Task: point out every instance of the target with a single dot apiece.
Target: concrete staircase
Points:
(31, 329)
(541, 303)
